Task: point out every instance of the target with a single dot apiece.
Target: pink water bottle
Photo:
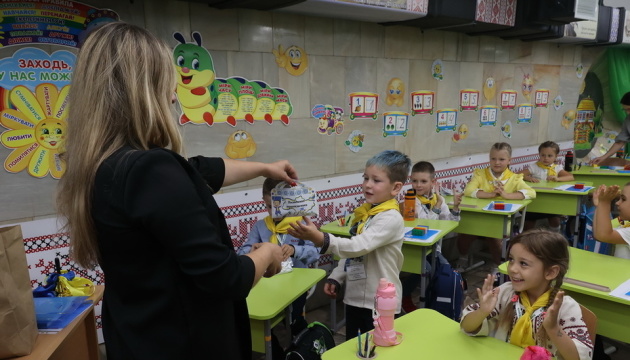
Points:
(385, 304)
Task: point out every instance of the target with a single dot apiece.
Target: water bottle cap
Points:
(383, 283)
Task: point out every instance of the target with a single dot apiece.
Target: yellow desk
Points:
(600, 175)
(431, 335)
(77, 341)
(613, 313)
(268, 299)
(558, 202)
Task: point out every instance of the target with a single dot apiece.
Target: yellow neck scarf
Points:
(505, 176)
(279, 228)
(624, 223)
(522, 333)
(551, 169)
(363, 212)
(432, 200)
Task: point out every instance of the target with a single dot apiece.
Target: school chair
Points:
(590, 319)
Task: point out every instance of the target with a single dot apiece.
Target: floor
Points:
(474, 279)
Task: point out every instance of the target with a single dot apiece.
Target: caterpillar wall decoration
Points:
(207, 99)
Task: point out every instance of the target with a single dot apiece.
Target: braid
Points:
(541, 334)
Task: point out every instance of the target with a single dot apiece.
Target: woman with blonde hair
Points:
(175, 287)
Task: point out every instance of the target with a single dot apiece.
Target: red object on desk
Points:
(579, 186)
(499, 206)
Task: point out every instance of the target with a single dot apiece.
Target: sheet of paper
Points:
(571, 187)
(508, 207)
(424, 239)
(622, 291)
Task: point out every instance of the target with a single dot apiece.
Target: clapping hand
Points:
(551, 318)
(488, 295)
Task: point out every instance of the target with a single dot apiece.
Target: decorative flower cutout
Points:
(37, 130)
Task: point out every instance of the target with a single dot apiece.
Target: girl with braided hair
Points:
(531, 309)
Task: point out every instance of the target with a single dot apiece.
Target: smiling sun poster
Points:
(33, 97)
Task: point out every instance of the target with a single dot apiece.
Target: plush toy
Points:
(536, 353)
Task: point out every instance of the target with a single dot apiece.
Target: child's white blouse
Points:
(570, 319)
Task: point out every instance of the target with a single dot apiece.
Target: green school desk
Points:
(428, 334)
(477, 221)
(599, 176)
(414, 252)
(268, 299)
(559, 202)
(613, 313)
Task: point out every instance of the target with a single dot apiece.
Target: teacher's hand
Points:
(281, 170)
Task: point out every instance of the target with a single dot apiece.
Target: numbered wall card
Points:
(541, 98)
(468, 99)
(363, 105)
(508, 100)
(422, 102)
(488, 115)
(395, 123)
(525, 113)
(446, 120)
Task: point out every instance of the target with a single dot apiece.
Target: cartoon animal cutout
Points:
(240, 145)
(294, 60)
(395, 92)
(461, 134)
(195, 71)
(437, 70)
(568, 117)
(355, 141)
(527, 86)
(207, 99)
(489, 89)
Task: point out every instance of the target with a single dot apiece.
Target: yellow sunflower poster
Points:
(33, 104)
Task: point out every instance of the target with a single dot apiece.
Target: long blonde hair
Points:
(120, 94)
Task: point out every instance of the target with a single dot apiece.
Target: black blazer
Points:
(174, 286)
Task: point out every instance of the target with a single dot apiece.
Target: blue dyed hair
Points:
(394, 163)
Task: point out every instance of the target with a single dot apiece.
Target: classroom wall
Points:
(345, 56)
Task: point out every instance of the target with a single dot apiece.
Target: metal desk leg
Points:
(423, 276)
(268, 355)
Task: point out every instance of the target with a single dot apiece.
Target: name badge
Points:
(356, 271)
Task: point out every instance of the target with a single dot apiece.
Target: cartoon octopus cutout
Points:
(294, 60)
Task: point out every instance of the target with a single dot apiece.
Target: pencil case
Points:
(298, 200)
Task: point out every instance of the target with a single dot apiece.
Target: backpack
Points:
(586, 239)
(311, 343)
(445, 292)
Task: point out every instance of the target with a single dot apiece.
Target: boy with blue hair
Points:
(375, 249)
